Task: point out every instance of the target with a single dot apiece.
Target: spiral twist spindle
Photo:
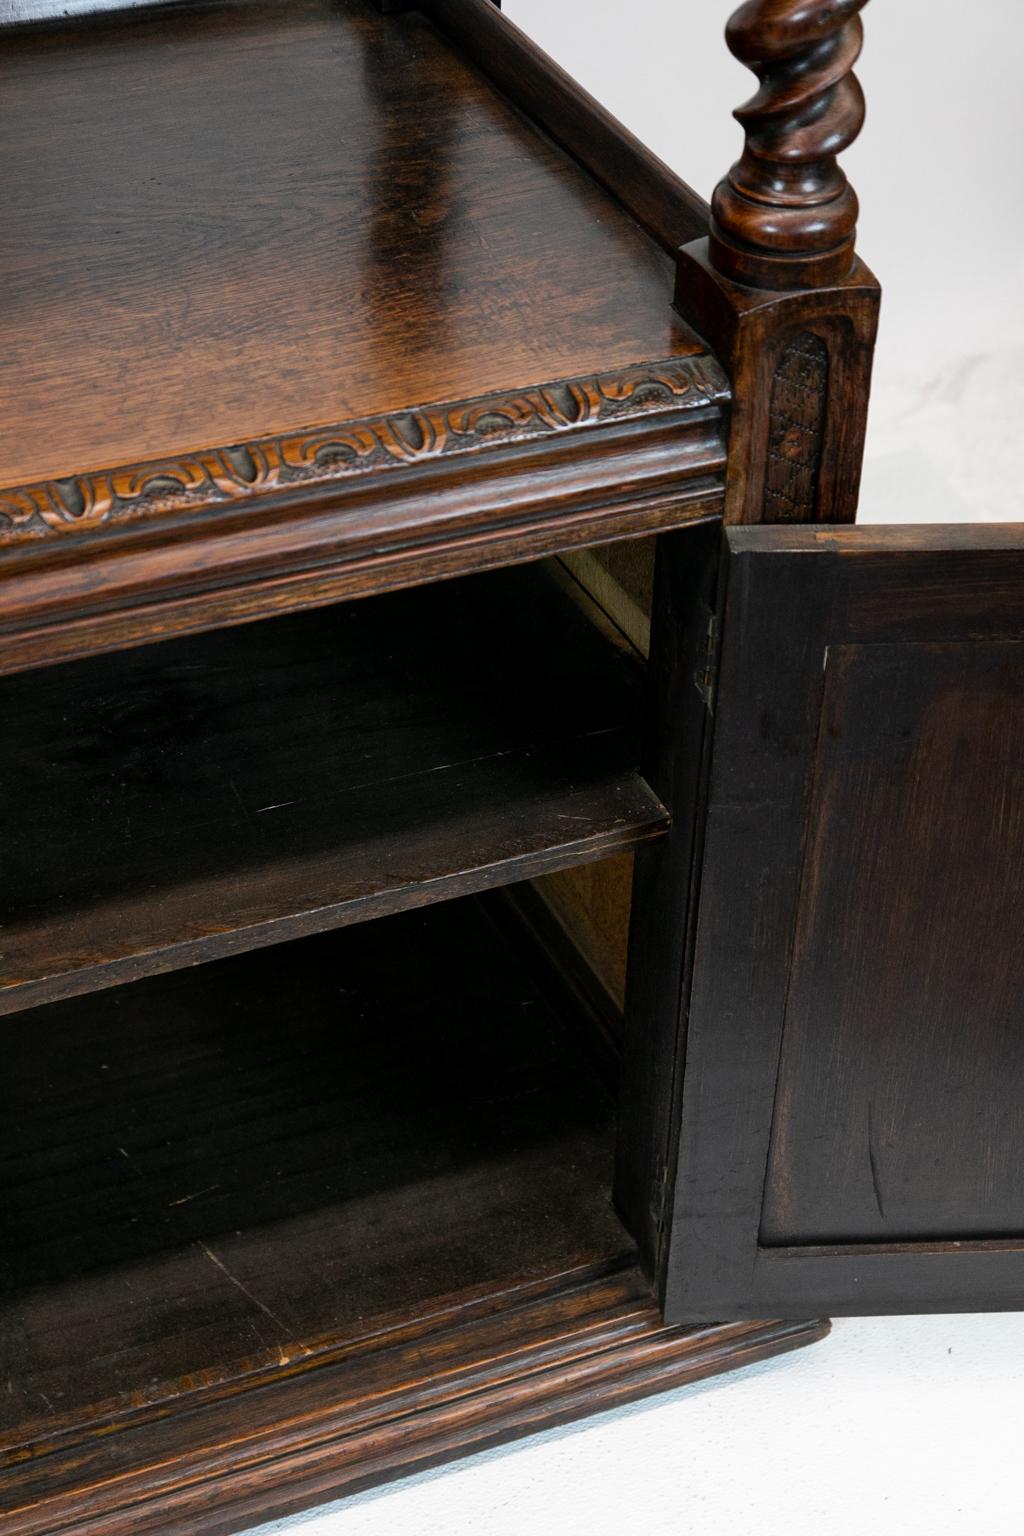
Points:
(786, 215)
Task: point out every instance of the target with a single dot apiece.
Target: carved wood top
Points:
(116, 557)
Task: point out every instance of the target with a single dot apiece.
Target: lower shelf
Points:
(302, 1220)
(446, 1384)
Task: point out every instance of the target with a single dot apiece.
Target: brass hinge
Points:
(705, 676)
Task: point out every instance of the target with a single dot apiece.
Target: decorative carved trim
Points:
(325, 457)
(796, 431)
(786, 216)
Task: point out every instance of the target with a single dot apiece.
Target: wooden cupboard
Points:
(391, 446)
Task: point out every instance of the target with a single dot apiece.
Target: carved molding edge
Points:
(326, 457)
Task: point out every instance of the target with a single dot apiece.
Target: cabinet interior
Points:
(294, 1127)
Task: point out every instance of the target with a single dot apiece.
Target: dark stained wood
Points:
(590, 904)
(358, 301)
(566, 975)
(786, 216)
(800, 368)
(346, 222)
(205, 796)
(381, 333)
(660, 201)
(850, 1134)
(796, 431)
(356, 457)
(464, 1377)
(249, 1266)
(906, 998)
(338, 1131)
(664, 908)
(126, 587)
(777, 289)
(371, 506)
(336, 319)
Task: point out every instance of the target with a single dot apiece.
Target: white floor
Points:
(892, 1427)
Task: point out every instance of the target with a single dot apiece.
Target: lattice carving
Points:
(796, 428)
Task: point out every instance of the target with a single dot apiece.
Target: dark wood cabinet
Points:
(385, 435)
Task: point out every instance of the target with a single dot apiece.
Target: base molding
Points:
(413, 1395)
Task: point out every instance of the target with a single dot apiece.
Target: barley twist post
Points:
(786, 216)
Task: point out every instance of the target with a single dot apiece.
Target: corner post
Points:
(777, 288)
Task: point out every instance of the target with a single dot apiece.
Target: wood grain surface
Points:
(893, 1120)
(209, 1170)
(297, 1222)
(318, 214)
(786, 216)
(850, 1125)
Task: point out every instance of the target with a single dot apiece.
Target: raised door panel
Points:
(849, 1110)
(904, 1020)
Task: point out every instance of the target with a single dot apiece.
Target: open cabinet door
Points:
(844, 1122)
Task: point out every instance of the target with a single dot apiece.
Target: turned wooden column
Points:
(777, 287)
(786, 216)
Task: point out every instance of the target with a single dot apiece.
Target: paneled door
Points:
(843, 1113)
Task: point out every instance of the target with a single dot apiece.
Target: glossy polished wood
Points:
(660, 201)
(777, 288)
(346, 220)
(786, 216)
(176, 546)
(315, 300)
(332, 320)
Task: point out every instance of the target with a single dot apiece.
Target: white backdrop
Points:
(942, 211)
(905, 1427)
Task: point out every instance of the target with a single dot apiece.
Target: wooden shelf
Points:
(210, 795)
(337, 230)
(333, 313)
(313, 1138)
(296, 1220)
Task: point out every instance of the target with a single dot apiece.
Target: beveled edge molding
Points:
(325, 458)
(424, 1392)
